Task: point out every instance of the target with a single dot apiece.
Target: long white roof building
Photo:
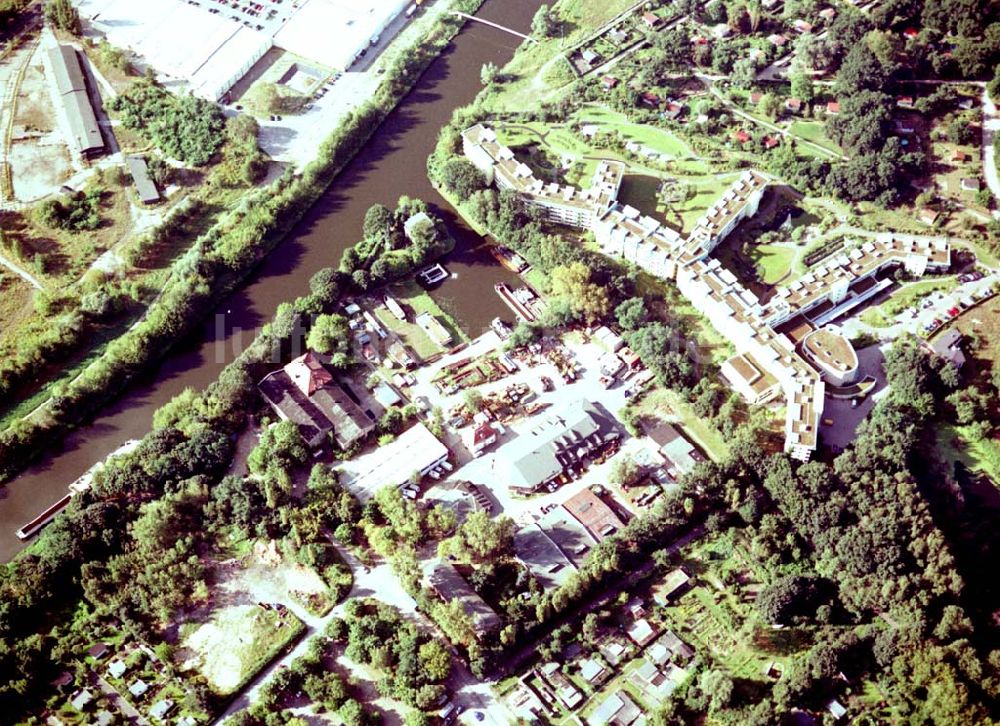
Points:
(765, 357)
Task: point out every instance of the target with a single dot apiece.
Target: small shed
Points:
(144, 184)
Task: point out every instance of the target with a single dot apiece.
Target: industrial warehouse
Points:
(211, 45)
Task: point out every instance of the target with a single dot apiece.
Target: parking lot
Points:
(933, 311)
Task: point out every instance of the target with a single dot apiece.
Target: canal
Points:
(392, 164)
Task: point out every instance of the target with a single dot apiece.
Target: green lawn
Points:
(773, 261)
(953, 445)
(661, 140)
(814, 131)
(411, 295)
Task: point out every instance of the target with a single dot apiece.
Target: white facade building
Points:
(766, 362)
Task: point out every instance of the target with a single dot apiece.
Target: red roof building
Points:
(483, 437)
(308, 373)
(650, 20)
(771, 141)
(741, 136)
(596, 517)
(833, 108)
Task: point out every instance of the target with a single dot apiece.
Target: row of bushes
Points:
(190, 446)
(218, 262)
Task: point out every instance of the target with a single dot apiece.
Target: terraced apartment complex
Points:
(777, 350)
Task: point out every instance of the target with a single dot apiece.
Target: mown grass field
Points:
(814, 131)
(661, 140)
(773, 261)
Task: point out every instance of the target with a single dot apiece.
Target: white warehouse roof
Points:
(333, 32)
(208, 50)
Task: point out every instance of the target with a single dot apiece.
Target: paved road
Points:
(21, 272)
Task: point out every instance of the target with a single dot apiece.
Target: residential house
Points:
(971, 184)
(63, 682)
(481, 438)
(741, 136)
(568, 694)
(771, 141)
(928, 216)
(594, 672)
(755, 97)
(833, 108)
(836, 709)
(777, 40)
(594, 514)
(641, 632)
(618, 709)
(650, 100)
(828, 14)
(618, 36)
(614, 651)
(802, 26)
(635, 608)
(99, 651)
(138, 688)
(117, 668)
(676, 649)
(673, 110)
(904, 101)
(305, 393)
(105, 718)
(654, 684)
(680, 454)
(81, 699)
(160, 709)
(959, 156)
(651, 20)
(671, 586)
(525, 704)
(590, 57)
(793, 105)
(608, 82)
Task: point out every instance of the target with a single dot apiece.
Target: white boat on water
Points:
(79, 486)
(501, 328)
(433, 274)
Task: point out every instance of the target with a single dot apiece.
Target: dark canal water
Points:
(393, 164)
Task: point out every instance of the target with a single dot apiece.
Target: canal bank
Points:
(393, 163)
